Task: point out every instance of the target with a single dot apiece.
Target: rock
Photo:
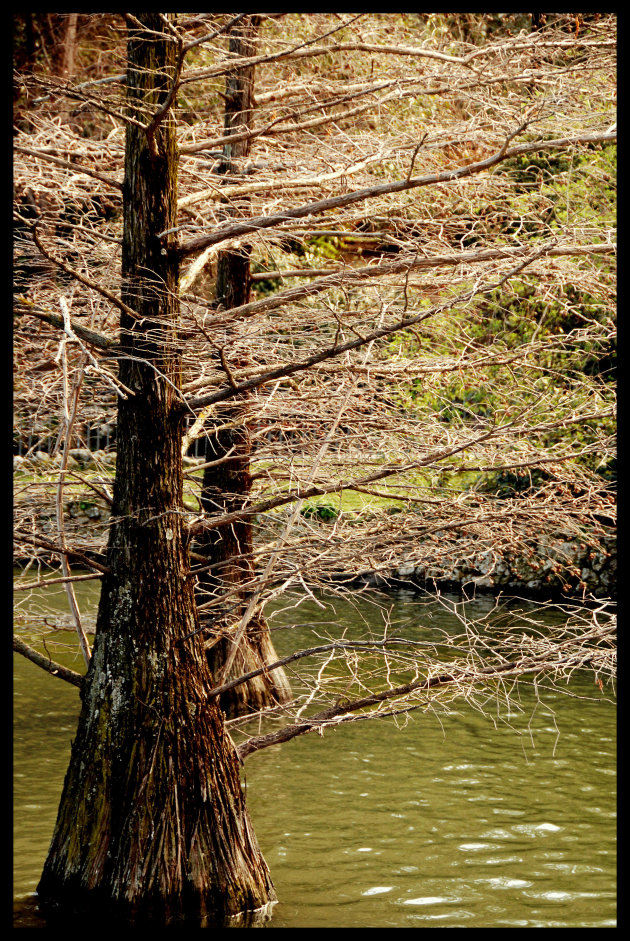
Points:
(374, 580)
(565, 551)
(550, 564)
(82, 456)
(434, 572)
(406, 569)
(483, 581)
(590, 578)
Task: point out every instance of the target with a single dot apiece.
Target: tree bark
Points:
(70, 46)
(152, 825)
(227, 486)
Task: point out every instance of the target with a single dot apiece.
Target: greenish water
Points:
(448, 822)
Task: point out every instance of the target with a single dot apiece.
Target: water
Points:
(373, 827)
(448, 821)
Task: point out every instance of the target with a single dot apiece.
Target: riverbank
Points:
(568, 565)
(547, 568)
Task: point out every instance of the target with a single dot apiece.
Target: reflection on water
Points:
(447, 823)
(389, 828)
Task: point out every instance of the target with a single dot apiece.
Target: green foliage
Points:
(475, 28)
(559, 188)
(564, 371)
(323, 510)
(324, 247)
(514, 482)
(459, 400)
(312, 252)
(526, 169)
(525, 314)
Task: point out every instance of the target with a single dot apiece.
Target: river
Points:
(452, 820)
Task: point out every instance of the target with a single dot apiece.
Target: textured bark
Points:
(152, 825)
(70, 46)
(227, 486)
(228, 549)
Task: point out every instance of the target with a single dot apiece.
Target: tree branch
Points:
(55, 669)
(237, 229)
(76, 168)
(53, 547)
(341, 712)
(82, 279)
(299, 655)
(45, 582)
(317, 491)
(345, 276)
(23, 306)
(406, 322)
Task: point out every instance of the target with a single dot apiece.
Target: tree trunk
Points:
(152, 825)
(227, 486)
(70, 46)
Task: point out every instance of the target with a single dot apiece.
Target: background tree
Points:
(227, 483)
(428, 391)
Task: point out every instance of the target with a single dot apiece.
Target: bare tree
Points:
(394, 328)
(227, 480)
(152, 817)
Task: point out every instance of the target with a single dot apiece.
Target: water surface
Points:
(452, 821)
